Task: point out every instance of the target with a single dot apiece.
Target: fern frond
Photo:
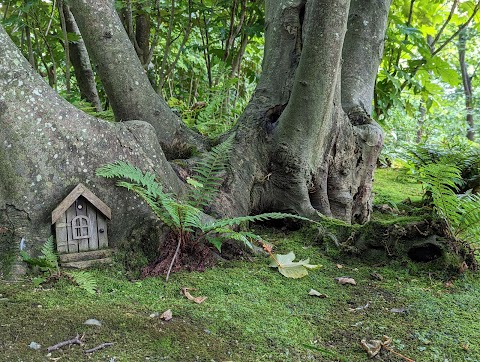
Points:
(252, 218)
(208, 173)
(156, 200)
(49, 253)
(121, 169)
(469, 221)
(84, 280)
(193, 218)
(48, 261)
(442, 181)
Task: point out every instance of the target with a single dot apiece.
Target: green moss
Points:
(7, 247)
(391, 188)
(252, 313)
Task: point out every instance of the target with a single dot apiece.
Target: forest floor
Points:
(252, 312)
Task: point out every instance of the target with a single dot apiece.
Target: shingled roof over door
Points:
(80, 190)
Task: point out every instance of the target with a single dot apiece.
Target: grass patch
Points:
(390, 186)
(252, 313)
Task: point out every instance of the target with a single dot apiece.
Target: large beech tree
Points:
(305, 143)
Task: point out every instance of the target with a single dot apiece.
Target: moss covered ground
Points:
(252, 313)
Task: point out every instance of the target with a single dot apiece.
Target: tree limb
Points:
(452, 11)
(460, 28)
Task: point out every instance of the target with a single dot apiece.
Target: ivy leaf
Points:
(290, 269)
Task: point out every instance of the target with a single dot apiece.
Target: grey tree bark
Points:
(81, 63)
(315, 145)
(124, 79)
(467, 84)
(47, 147)
(298, 146)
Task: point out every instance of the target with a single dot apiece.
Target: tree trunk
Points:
(308, 155)
(81, 63)
(142, 36)
(467, 84)
(124, 78)
(47, 147)
(298, 146)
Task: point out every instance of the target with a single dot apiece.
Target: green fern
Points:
(208, 174)
(461, 214)
(47, 262)
(468, 226)
(253, 218)
(84, 280)
(186, 217)
(441, 181)
(48, 265)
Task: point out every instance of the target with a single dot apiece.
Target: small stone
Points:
(92, 322)
(35, 345)
(154, 315)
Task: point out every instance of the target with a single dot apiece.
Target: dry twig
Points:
(76, 340)
(99, 347)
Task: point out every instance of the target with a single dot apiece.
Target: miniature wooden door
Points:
(81, 228)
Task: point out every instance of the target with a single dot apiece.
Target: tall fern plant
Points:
(185, 217)
(461, 213)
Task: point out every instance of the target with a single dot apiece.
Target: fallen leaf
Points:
(197, 300)
(314, 293)
(372, 347)
(287, 267)
(449, 284)
(339, 266)
(167, 315)
(93, 322)
(386, 341)
(376, 276)
(267, 247)
(154, 315)
(346, 280)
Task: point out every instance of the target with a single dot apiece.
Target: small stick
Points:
(174, 257)
(99, 347)
(398, 354)
(76, 340)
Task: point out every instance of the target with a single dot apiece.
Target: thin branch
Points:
(76, 340)
(51, 18)
(66, 45)
(460, 28)
(99, 347)
(168, 43)
(156, 34)
(452, 11)
(182, 45)
(409, 22)
(7, 6)
(230, 30)
(174, 255)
